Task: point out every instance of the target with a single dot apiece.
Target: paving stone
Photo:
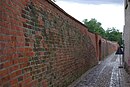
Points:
(106, 74)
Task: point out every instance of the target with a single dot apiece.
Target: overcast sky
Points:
(95, 1)
(109, 12)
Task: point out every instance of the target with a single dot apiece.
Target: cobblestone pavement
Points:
(106, 74)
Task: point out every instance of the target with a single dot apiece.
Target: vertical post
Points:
(120, 66)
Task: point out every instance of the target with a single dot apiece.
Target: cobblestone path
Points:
(106, 74)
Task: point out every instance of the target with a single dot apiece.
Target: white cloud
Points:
(110, 15)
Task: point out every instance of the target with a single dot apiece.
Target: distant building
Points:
(126, 35)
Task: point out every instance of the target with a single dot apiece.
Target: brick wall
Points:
(107, 48)
(41, 45)
(102, 46)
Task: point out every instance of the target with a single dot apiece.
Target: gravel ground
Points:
(106, 74)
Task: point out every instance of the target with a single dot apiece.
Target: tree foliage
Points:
(94, 26)
(111, 34)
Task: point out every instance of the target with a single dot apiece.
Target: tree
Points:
(94, 26)
(113, 34)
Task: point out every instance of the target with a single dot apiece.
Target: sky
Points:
(110, 13)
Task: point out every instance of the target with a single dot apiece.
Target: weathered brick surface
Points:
(107, 48)
(102, 46)
(42, 46)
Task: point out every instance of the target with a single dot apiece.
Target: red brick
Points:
(20, 84)
(5, 31)
(13, 81)
(30, 54)
(44, 83)
(7, 57)
(16, 22)
(7, 64)
(14, 68)
(32, 84)
(15, 73)
(12, 44)
(8, 2)
(23, 65)
(19, 72)
(24, 2)
(21, 50)
(23, 60)
(29, 79)
(20, 44)
(4, 38)
(5, 79)
(26, 75)
(10, 51)
(15, 85)
(3, 73)
(14, 56)
(28, 49)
